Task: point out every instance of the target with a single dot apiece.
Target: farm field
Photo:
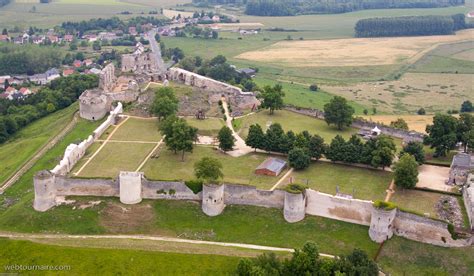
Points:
(349, 52)
(414, 122)
(407, 95)
(30, 139)
(112, 261)
(361, 183)
(291, 121)
(239, 170)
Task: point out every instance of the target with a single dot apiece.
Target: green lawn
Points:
(418, 201)
(115, 157)
(362, 183)
(239, 170)
(292, 121)
(30, 139)
(135, 129)
(207, 127)
(95, 261)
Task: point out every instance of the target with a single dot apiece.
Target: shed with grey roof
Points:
(271, 166)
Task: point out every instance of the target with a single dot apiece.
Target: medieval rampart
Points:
(468, 196)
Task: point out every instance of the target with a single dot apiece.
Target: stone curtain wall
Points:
(329, 206)
(357, 123)
(468, 196)
(214, 198)
(74, 152)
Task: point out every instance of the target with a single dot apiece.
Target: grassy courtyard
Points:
(361, 183)
(138, 129)
(291, 121)
(239, 170)
(418, 201)
(206, 127)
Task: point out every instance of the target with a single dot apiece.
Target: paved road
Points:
(155, 47)
(29, 164)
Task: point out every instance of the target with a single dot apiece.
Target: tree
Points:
(316, 147)
(96, 46)
(384, 152)
(4, 31)
(165, 103)
(208, 169)
(335, 152)
(467, 106)
(255, 138)
(313, 87)
(406, 172)
(338, 112)
(73, 46)
(274, 138)
(353, 150)
(465, 126)
(226, 140)
(442, 134)
(421, 111)
(416, 150)
(272, 97)
(299, 158)
(179, 135)
(400, 124)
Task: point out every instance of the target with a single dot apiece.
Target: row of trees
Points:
(61, 93)
(306, 261)
(219, 69)
(284, 7)
(446, 131)
(198, 32)
(409, 25)
(28, 59)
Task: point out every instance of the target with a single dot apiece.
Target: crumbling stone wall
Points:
(250, 195)
(93, 105)
(381, 224)
(212, 199)
(236, 97)
(468, 196)
(294, 207)
(107, 78)
(142, 61)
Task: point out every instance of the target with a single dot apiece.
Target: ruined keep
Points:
(130, 187)
(93, 105)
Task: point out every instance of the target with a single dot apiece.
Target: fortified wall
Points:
(468, 196)
(133, 187)
(74, 152)
(407, 136)
(235, 96)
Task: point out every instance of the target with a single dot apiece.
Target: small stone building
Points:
(271, 166)
(460, 166)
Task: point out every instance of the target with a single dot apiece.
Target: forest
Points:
(295, 7)
(28, 59)
(59, 94)
(410, 26)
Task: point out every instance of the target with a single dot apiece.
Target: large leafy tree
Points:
(335, 152)
(316, 147)
(299, 158)
(179, 135)
(274, 138)
(338, 112)
(226, 140)
(465, 126)
(208, 169)
(416, 150)
(384, 152)
(467, 106)
(442, 134)
(256, 137)
(165, 103)
(406, 172)
(272, 97)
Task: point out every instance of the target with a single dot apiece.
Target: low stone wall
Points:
(329, 206)
(425, 230)
(394, 132)
(74, 152)
(468, 196)
(250, 195)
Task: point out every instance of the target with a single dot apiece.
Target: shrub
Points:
(295, 188)
(313, 87)
(421, 111)
(387, 206)
(195, 185)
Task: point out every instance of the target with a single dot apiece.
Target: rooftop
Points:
(272, 164)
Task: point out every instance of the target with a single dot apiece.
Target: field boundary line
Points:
(28, 164)
(101, 147)
(150, 154)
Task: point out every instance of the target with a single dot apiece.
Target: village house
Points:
(77, 63)
(4, 38)
(132, 30)
(90, 37)
(68, 72)
(39, 79)
(53, 38)
(216, 18)
(25, 91)
(88, 62)
(247, 71)
(68, 38)
(52, 74)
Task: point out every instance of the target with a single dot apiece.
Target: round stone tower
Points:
(294, 207)
(93, 105)
(130, 187)
(212, 199)
(381, 224)
(45, 191)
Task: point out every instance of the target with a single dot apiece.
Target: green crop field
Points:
(362, 183)
(29, 140)
(292, 121)
(239, 170)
